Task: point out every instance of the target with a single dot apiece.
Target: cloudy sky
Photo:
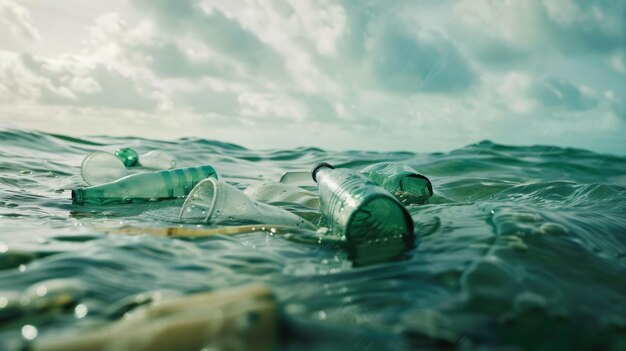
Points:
(379, 75)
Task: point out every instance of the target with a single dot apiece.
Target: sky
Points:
(429, 75)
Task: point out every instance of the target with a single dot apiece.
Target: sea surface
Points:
(519, 248)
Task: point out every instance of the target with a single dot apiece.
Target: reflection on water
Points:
(520, 247)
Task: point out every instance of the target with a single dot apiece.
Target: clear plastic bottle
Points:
(145, 186)
(405, 183)
(359, 209)
(157, 159)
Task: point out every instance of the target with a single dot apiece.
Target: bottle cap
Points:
(317, 168)
(128, 156)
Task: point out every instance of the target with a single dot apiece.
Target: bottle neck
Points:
(321, 172)
(318, 168)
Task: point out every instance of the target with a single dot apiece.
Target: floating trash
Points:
(359, 209)
(102, 167)
(405, 183)
(157, 159)
(217, 202)
(145, 186)
(128, 156)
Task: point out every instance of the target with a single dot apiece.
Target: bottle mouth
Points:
(77, 195)
(317, 167)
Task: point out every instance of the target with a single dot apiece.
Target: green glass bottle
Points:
(145, 186)
(128, 156)
(157, 159)
(358, 209)
(405, 183)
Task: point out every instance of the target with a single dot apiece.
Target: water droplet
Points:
(4, 302)
(29, 332)
(3, 247)
(80, 311)
(42, 290)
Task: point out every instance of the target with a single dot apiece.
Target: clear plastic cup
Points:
(102, 167)
(157, 159)
(217, 202)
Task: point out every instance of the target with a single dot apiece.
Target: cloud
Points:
(618, 61)
(167, 59)
(548, 96)
(332, 45)
(71, 81)
(207, 100)
(364, 74)
(223, 34)
(17, 20)
(558, 93)
(272, 106)
(383, 49)
(424, 61)
(104, 87)
(17, 80)
(513, 91)
(500, 31)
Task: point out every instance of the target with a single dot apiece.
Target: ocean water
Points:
(519, 248)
